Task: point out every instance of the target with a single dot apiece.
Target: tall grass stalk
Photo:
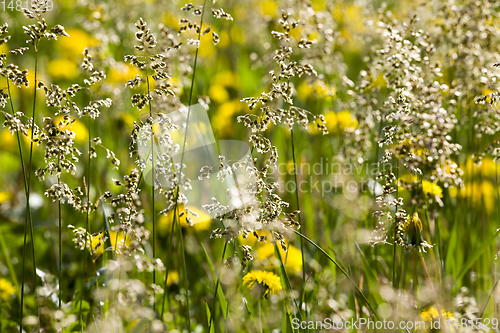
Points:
(87, 223)
(184, 268)
(20, 292)
(394, 259)
(298, 217)
(60, 245)
(167, 271)
(153, 183)
(212, 313)
(29, 220)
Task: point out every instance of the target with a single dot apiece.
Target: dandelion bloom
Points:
(117, 241)
(74, 125)
(199, 223)
(268, 280)
(6, 289)
(173, 278)
(429, 188)
(431, 314)
(292, 258)
(63, 69)
(432, 189)
(412, 229)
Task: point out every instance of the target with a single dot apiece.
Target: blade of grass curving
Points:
(209, 315)
(218, 292)
(489, 297)
(371, 276)
(343, 272)
(284, 274)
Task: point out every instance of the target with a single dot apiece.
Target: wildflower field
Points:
(249, 166)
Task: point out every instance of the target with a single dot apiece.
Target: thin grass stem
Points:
(29, 220)
(298, 217)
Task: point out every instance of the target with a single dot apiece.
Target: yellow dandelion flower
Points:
(319, 88)
(207, 47)
(218, 93)
(27, 139)
(251, 240)
(74, 125)
(7, 290)
(122, 73)
(432, 314)
(201, 222)
(8, 140)
(330, 123)
(297, 32)
(432, 189)
(322, 90)
(73, 46)
(224, 40)
(480, 194)
(117, 241)
(429, 188)
(269, 8)
(268, 280)
(412, 229)
(318, 5)
(487, 92)
(127, 119)
(379, 81)
(170, 20)
(346, 121)
(292, 258)
(227, 78)
(487, 168)
(408, 179)
(223, 118)
(4, 196)
(173, 278)
(62, 69)
(304, 91)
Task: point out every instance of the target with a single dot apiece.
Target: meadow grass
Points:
(369, 189)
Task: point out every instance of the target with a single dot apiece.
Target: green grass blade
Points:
(343, 272)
